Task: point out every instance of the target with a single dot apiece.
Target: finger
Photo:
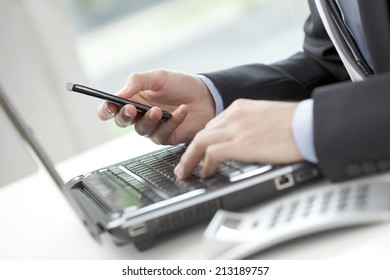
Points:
(217, 153)
(136, 82)
(124, 117)
(129, 111)
(149, 122)
(165, 133)
(195, 152)
(107, 111)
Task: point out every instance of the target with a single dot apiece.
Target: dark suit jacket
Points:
(351, 120)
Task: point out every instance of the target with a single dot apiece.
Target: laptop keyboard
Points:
(151, 176)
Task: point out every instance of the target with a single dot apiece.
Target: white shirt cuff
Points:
(303, 130)
(214, 93)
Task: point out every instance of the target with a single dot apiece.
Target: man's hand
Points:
(184, 95)
(249, 131)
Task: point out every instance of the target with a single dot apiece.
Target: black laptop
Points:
(140, 199)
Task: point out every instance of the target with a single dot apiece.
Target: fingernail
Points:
(121, 123)
(127, 113)
(107, 111)
(181, 111)
(178, 171)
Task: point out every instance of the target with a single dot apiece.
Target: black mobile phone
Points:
(141, 108)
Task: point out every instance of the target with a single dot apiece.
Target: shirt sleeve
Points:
(214, 93)
(303, 131)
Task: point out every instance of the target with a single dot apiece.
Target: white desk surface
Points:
(38, 223)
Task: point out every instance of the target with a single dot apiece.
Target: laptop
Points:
(140, 199)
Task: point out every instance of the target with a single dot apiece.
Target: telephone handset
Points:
(239, 235)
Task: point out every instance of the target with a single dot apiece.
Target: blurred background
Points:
(46, 43)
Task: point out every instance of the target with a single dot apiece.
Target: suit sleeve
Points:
(351, 128)
(290, 79)
(351, 120)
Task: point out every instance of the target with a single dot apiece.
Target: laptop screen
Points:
(15, 161)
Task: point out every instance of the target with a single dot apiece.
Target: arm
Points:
(351, 121)
(351, 128)
(290, 79)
